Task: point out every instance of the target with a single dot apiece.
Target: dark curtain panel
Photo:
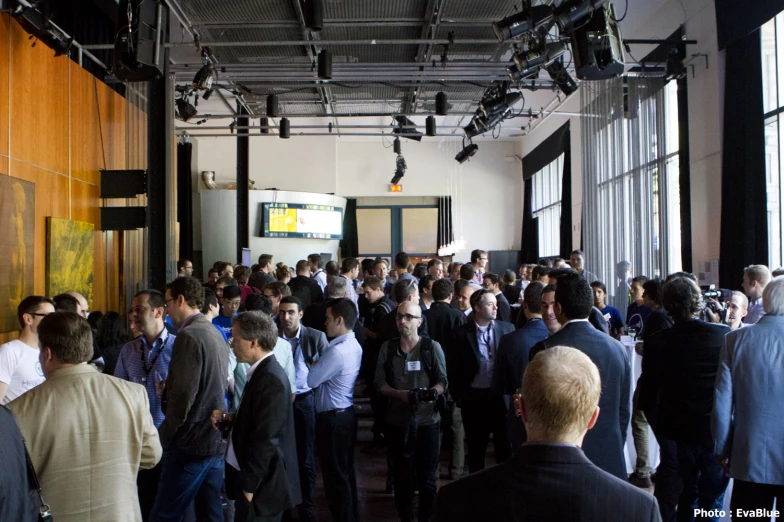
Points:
(445, 232)
(530, 240)
(185, 199)
(737, 19)
(744, 229)
(566, 199)
(547, 151)
(349, 245)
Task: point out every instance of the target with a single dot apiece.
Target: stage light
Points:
(561, 77)
(674, 68)
(185, 111)
(528, 63)
(400, 169)
(481, 124)
(570, 13)
(396, 146)
(441, 104)
(466, 153)
(206, 95)
(525, 21)
(325, 65)
(272, 106)
(205, 77)
(498, 104)
(264, 126)
(285, 129)
(430, 126)
(314, 15)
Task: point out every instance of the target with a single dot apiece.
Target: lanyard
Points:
(146, 369)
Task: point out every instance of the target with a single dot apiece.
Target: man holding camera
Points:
(411, 372)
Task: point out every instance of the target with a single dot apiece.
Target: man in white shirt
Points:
(20, 370)
(317, 270)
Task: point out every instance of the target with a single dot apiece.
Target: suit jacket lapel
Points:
(473, 342)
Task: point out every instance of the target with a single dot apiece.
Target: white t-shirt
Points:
(19, 369)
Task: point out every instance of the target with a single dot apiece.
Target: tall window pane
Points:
(546, 185)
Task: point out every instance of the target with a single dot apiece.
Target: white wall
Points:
(491, 212)
(706, 105)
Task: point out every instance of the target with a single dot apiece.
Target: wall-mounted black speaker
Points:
(138, 43)
(123, 218)
(123, 183)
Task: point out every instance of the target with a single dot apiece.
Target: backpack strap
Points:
(392, 347)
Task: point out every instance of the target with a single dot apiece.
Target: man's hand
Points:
(725, 464)
(215, 417)
(402, 395)
(248, 496)
(638, 348)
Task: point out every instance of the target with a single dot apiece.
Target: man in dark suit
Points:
(307, 345)
(470, 362)
(302, 286)
(491, 282)
(549, 478)
(683, 362)
(513, 352)
(19, 500)
(573, 303)
(261, 475)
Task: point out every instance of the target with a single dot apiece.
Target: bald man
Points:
(84, 308)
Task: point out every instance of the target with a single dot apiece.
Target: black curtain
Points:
(530, 240)
(349, 245)
(736, 19)
(185, 199)
(744, 227)
(445, 232)
(566, 199)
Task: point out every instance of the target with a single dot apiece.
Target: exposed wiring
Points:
(625, 11)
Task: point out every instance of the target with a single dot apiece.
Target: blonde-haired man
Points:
(549, 478)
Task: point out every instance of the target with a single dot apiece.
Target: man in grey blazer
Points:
(750, 385)
(307, 345)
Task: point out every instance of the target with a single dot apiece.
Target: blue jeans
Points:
(185, 479)
(704, 481)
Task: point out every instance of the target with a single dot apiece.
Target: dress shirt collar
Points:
(297, 336)
(467, 312)
(556, 444)
(483, 329)
(252, 369)
(341, 339)
(162, 337)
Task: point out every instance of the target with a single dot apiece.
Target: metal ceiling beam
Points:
(435, 9)
(292, 43)
(346, 22)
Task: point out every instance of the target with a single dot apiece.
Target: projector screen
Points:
(303, 221)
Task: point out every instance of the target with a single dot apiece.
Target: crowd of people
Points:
(217, 398)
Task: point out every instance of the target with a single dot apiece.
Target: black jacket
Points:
(312, 342)
(18, 500)
(307, 290)
(679, 367)
(603, 444)
(264, 442)
(196, 386)
(504, 309)
(543, 483)
(442, 319)
(462, 357)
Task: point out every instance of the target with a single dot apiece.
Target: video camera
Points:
(418, 395)
(711, 292)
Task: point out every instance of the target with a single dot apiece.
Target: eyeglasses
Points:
(407, 317)
(38, 314)
(232, 304)
(166, 302)
(483, 259)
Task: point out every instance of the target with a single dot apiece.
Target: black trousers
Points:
(147, 486)
(484, 412)
(305, 430)
(750, 496)
(336, 436)
(417, 470)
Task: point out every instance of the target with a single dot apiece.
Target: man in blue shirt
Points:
(232, 297)
(145, 361)
(333, 378)
(610, 313)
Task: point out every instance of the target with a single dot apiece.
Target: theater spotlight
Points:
(284, 131)
(430, 126)
(185, 111)
(466, 153)
(408, 127)
(272, 106)
(206, 95)
(563, 80)
(481, 124)
(498, 104)
(527, 63)
(314, 15)
(400, 169)
(569, 14)
(205, 77)
(441, 104)
(523, 22)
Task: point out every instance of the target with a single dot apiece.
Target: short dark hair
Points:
(492, 277)
(278, 289)
(373, 282)
(532, 296)
(641, 280)
(681, 298)
(545, 261)
(331, 268)
(254, 268)
(68, 335)
(599, 284)
(258, 302)
(222, 266)
(401, 260)
(434, 262)
(182, 263)
(459, 285)
(212, 271)
(112, 331)
(379, 260)
(316, 258)
(242, 274)
(257, 326)
(264, 260)
(292, 299)
(188, 287)
(547, 289)
(367, 265)
(65, 303)
(509, 277)
(688, 275)
(442, 289)
(232, 292)
(210, 299)
(477, 296)
(575, 296)
(558, 272)
(404, 288)
(653, 289)
(155, 298)
(31, 304)
(425, 280)
(578, 252)
(420, 271)
(344, 308)
(349, 264)
(467, 272)
(227, 281)
(539, 271)
(302, 266)
(476, 254)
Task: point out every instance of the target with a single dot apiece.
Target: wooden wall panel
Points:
(113, 116)
(5, 51)
(86, 145)
(85, 206)
(39, 104)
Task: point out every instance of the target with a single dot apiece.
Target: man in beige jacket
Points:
(88, 434)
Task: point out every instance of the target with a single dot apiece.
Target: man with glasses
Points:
(232, 298)
(184, 268)
(20, 370)
(404, 290)
(479, 264)
(145, 361)
(409, 368)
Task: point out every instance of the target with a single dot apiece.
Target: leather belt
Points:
(304, 395)
(336, 411)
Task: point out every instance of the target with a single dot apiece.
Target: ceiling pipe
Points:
(289, 43)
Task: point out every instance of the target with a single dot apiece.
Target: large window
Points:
(546, 186)
(383, 231)
(773, 96)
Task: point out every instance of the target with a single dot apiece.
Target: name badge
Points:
(413, 366)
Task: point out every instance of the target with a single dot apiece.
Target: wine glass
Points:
(632, 331)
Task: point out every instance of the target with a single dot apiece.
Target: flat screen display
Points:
(303, 221)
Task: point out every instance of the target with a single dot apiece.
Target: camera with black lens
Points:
(714, 298)
(418, 395)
